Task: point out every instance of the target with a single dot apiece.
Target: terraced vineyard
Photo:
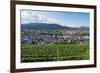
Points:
(44, 53)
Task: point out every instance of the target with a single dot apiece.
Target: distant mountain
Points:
(84, 28)
(47, 26)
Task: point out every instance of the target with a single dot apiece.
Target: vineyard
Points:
(44, 53)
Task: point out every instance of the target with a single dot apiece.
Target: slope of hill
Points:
(48, 26)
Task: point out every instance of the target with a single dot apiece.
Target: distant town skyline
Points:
(71, 19)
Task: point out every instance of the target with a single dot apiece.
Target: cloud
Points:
(35, 17)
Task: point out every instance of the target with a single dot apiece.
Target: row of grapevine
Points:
(38, 53)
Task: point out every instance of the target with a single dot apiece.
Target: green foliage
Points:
(39, 53)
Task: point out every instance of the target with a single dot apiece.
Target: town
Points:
(54, 37)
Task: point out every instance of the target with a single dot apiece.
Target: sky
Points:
(72, 19)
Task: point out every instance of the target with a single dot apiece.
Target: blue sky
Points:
(72, 19)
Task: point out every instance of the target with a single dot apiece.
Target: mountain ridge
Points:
(49, 26)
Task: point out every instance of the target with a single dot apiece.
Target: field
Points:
(52, 52)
